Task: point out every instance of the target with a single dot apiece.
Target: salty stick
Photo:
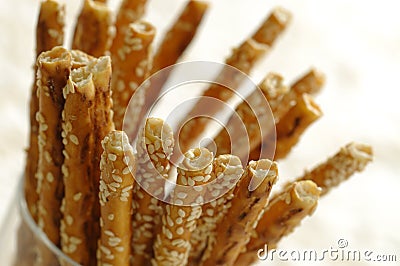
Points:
(131, 66)
(310, 83)
(290, 128)
(102, 119)
(350, 159)
(243, 58)
(116, 185)
(172, 244)
(53, 70)
(234, 230)
(180, 35)
(128, 12)
(283, 214)
(94, 29)
(227, 170)
(154, 147)
(49, 33)
(78, 146)
(251, 113)
(173, 45)
(292, 125)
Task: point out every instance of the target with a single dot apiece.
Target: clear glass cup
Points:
(21, 237)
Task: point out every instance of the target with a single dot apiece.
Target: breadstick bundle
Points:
(99, 179)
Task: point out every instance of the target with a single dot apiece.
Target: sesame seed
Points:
(168, 233)
(116, 178)
(69, 219)
(126, 171)
(191, 182)
(50, 177)
(181, 213)
(180, 231)
(169, 221)
(198, 178)
(110, 217)
(105, 250)
(109, 233)
(112, 157)
(182, 195)
(75, 240)
(74, 139)
(119, 249)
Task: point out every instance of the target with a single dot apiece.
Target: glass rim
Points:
(36, 231)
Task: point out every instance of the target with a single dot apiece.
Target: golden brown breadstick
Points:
(350, 159)
(290, 128)
(310, 83)
(94, 29)
(172, 244)
(173, 45)
(49, 33)
(154, 147)
(248, 203)
(50, 26)
(131, 66)
(252, 113)
(244, 58)
(103, 124)
(53, 70)
(227, 170)
(292, 125)
(283, 214)
(179, 36)
(78, 146)
(116, 185)
(128, 12)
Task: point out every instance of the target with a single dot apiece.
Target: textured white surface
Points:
(357, 45)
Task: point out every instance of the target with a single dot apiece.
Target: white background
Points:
(355, 43)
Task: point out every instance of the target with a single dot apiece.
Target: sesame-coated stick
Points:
(50, 26)
(102, 119)
(53, 70)
(350, 159)
(129, 11)
(292, 125)
(78, 146)
(172, 244)
(49, 33)
(243, 58)
(310, 83)
(180, 35)
(131, 66)
(94, 29)
(251, 113)
(154, 147)
(116, 184)
(227, 170)
(283, 214)
(235, 229)
(173, 45)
